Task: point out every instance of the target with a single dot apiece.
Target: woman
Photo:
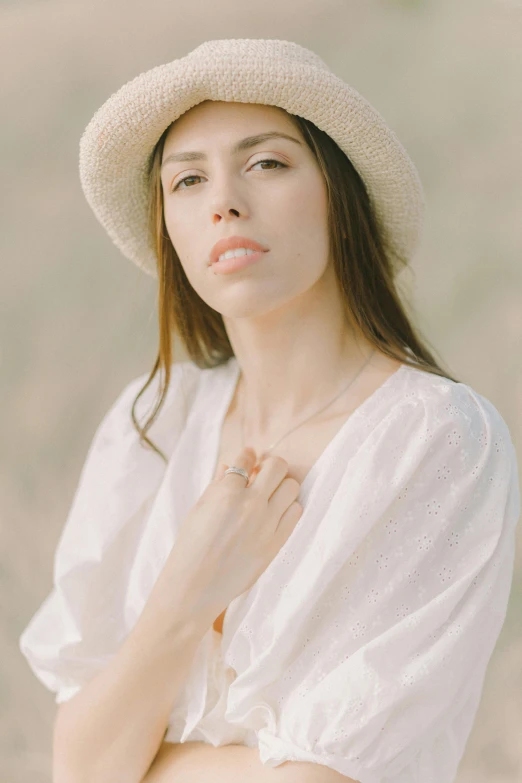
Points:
(328, 604)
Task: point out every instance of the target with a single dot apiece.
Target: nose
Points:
(225, 214)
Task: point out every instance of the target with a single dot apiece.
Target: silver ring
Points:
(237, 470)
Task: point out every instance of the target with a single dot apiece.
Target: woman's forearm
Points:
(111, 730)
(199, 761)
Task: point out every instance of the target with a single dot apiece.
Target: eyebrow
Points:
(244, 144)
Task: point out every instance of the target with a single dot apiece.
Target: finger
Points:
(255, 470)
(246, 459)
(221, 471)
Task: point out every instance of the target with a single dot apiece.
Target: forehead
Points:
(230, 120)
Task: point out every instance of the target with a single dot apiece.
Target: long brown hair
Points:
(365, 271)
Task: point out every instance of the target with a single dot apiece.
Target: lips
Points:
(233, 243)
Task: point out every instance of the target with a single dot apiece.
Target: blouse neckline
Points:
(230, 381)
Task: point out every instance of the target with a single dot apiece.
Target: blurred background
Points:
(79, 320)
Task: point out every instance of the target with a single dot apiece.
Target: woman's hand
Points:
(234, 531)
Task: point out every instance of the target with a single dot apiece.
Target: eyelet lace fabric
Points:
(364, 644)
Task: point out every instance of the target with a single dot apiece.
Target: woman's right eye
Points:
(192, 176)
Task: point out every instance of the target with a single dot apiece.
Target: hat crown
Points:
(252, 48)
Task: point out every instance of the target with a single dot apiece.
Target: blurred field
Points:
(79, 320)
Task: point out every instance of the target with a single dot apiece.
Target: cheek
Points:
(180, 231)
(304, 210)
(173, 218)
(304, 238)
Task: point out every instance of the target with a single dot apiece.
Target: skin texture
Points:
(284, 314)
(231, 764)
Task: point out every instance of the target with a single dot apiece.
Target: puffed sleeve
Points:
(79, 626)
(390, 676)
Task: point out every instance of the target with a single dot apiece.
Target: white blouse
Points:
(364, 644)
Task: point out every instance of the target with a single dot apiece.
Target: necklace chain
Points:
(313, 414)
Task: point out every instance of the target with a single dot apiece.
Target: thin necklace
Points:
(313, 414)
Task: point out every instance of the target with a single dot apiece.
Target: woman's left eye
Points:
(269, 160)
(195, 176)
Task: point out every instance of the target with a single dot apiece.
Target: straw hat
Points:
(116, 146)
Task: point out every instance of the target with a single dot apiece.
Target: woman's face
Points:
(282, 204)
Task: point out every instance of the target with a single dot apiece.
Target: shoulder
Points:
(447, 402)
(454, 419)
(184, 377)
(117, 431)
(187, 383)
